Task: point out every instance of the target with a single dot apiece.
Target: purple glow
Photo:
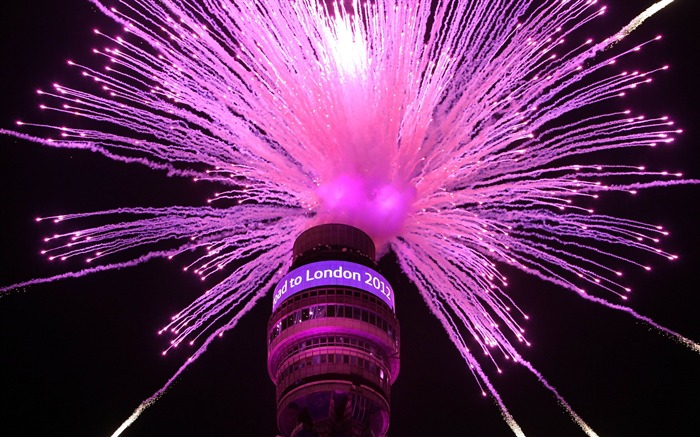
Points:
(324, 273)
(461, 148)
(378, 208)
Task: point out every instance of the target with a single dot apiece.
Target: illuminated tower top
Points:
(333, 240)
(333, 338)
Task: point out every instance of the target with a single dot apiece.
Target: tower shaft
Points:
(333, 338)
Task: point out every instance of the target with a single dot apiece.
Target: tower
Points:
(333, 338)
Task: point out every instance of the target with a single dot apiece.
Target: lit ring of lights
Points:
(333, 273)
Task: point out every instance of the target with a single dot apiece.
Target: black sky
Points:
(77, 356)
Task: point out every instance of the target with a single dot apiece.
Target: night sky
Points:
(77, 356)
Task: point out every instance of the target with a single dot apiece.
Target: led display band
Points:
(333, 273)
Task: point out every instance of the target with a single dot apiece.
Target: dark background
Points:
(77, 356)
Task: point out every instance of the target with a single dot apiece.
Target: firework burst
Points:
(460, 148)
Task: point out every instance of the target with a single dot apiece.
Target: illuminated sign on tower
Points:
(332, 273)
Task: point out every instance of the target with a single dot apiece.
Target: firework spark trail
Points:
(641, 18)
(459, 147)
(246, 290)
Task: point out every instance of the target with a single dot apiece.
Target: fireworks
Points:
(476, 147)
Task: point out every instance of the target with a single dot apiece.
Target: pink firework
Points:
(467, 138)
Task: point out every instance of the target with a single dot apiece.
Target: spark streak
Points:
(641, 18)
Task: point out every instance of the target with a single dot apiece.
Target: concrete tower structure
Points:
(333, 338)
